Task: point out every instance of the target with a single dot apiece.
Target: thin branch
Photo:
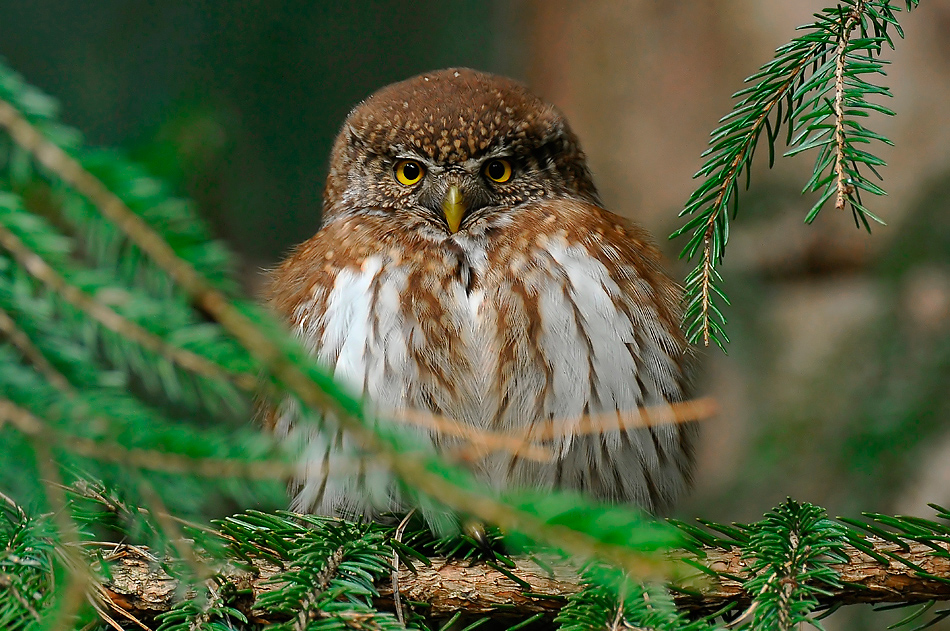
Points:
(479, 441)
(397, 597)
(80, 583)
(310, 605)
(708, 266)
(521, 442)
(675, 413)
(22, 342)
(844, 188)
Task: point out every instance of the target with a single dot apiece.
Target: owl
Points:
(466, 268)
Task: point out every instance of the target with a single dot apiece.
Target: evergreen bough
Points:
(817, 87)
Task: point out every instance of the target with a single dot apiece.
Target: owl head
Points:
(453, 151)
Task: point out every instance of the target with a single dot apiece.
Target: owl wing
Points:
(588, 324)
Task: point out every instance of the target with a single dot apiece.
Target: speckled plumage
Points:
(541, 306)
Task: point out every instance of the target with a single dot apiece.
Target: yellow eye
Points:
(408, 172)
(498, 170)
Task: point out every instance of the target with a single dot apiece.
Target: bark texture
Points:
(141, 588)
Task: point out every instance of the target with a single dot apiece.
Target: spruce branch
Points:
(791, 91)
(42, 271)
(146, 459)
(792, 550)
(35, 356)
(450, 585)
(271, 568)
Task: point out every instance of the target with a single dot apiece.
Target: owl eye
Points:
(498, 170)
(408, 172)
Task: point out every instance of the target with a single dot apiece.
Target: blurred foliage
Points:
(239, 102)
(853, 430)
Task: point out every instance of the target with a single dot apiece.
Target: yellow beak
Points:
(453, 207)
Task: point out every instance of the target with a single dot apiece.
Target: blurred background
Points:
(836, 388)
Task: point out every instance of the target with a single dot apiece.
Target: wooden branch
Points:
(865, 579)
(448, 586)
(141, 588)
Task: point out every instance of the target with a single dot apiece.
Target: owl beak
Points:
(454, 207)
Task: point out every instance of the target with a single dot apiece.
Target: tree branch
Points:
(141, 588)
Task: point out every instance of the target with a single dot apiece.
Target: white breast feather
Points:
(581, 312)
(590, 344)
(364, 341)
(347, 323)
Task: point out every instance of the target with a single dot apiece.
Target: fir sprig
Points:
(613, 600)
(330, 580)
(792, 551)
(27, 567)
(818, 86)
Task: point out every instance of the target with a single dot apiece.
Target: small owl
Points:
(467, 269)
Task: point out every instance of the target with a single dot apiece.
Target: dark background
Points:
(836, 389)
(238, 101)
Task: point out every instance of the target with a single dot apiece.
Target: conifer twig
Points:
(397, 597)
(42, 271)
(150, 460)
(783, 92)
(844, 189)
(22, 342)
